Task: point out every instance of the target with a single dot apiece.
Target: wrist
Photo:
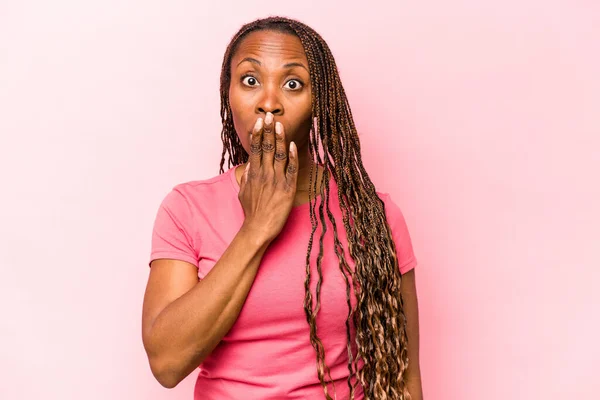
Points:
(255, 236)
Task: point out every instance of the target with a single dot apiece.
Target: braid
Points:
(379, 317)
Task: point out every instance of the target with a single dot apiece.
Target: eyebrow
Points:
(288, 65)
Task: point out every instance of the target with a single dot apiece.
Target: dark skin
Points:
(269, 75)
(178, 334)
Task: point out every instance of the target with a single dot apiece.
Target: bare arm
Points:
(411, 310)
(184, 319)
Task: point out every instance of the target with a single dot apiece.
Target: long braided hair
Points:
(379, 317)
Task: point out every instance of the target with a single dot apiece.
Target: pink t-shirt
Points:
(267, 353)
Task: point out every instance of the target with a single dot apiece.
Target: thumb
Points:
(245, 176)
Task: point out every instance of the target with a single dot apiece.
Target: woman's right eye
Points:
(249, 80)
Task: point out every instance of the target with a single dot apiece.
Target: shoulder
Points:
(204, 186)
(199, 191)
(400, 233)
(393, 212)
(391, 207)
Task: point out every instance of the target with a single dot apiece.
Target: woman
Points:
(235, 286)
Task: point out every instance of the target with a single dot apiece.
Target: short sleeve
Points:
(172, 236)
(400, 234)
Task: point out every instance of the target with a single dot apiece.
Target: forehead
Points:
(270, 44)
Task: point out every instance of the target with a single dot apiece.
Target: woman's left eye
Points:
(293, 84)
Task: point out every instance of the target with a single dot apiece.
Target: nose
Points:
(269, 101)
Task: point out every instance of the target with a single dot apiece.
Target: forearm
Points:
(413, 373)
(414, 386)
(188, 330)
(411, 310)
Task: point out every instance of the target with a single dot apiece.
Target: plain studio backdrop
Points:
(480, 118)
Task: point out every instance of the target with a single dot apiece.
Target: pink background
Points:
(481, 118)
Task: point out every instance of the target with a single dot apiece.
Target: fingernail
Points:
(278, 127)
(269, 118)
(258, 123)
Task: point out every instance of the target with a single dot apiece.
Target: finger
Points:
(268, 143)
(245, 175)
(292, 167)
(255, 155)
(244, 179)
(281, 155)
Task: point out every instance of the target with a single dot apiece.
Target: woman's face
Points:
(269, 73)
